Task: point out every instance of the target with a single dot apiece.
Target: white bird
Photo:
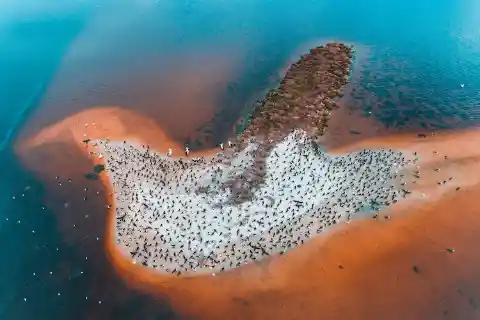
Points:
(221, 146)
(462, 85)
(169, 153)
(229, 143)
(187, 151)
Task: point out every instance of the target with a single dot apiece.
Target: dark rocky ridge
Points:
(304, 99)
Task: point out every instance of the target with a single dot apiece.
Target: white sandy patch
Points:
(179, 215)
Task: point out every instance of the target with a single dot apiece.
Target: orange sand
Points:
(360, 271)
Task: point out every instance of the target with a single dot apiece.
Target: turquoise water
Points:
(66, 57)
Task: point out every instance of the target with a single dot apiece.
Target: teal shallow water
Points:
(70, 56)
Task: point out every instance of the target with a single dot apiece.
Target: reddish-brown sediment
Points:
(347, 126)
(363, 270)
(179, 94)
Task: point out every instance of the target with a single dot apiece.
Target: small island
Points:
(264, 194)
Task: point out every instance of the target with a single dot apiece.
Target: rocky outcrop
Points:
(305, 97)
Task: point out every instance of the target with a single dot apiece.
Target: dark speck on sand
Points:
(98, 168)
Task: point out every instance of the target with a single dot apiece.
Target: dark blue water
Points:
(65, 57)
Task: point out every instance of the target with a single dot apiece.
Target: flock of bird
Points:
(185, 215)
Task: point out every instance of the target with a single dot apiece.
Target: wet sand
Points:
(397, 268)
